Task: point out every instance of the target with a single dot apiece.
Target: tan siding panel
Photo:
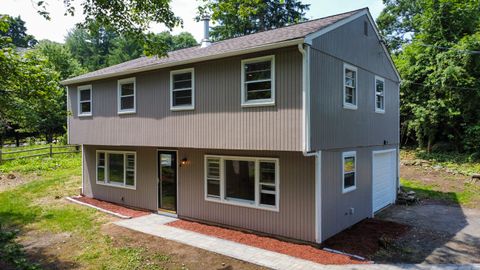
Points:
(334, 127)
(218, 120)
(296, 218)
(335, 204)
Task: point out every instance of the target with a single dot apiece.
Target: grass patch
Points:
(38, 206)
(456, 162)
(469, 196)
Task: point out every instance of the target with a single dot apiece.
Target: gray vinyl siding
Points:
(145, 195)
(335, 204)
(295, 218)
(218, 121)
(334, 127)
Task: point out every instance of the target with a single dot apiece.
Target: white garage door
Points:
(384, 178)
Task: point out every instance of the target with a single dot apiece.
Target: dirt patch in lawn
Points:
(296, 250)
(119, 209)
(443, 181)
(8, 182)
(367, 237)
(174, 255)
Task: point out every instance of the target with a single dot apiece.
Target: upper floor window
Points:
(126, 95)
(116, 168)
(245, 181)
(182, 89)
(349, 87)
(85, 100)
(379, 95)
(258, 81)
(349, 171)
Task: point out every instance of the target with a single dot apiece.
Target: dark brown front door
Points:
(167, 184)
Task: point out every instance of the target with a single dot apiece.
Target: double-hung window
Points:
(349, 173)
(182, 89)
(126, 96)
(85, 100)
(244, 181)
(116, 168)
(349, 87)
(258, 81)
(379, 94)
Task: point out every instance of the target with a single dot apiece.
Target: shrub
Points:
(472, 139)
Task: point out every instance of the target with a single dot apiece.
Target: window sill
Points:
(348, 190)
(236, 203)
(116, 186)
(379, 111)
(127, 112)
(350, 106)
(85, 115)
(258, 104)
(182, 108)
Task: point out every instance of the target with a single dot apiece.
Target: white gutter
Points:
(271, 46)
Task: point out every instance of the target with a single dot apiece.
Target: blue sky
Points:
(58, 27)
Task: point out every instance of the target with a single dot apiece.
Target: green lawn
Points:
(39, 206)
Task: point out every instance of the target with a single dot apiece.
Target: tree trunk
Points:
(17, 138)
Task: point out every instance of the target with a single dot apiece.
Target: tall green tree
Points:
(59, 58)
(17, 31)
(31, 99)
(241, 17)
(105, 48)
(440, 68)
(131, 18)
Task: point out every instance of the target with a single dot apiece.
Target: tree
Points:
(31, 99)
(440, 71)
(131, 18)
(18, 33)
(104, 47)
(91, 48)
(59, 58)
(242, 17)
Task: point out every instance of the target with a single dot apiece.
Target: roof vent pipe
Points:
(206, 31)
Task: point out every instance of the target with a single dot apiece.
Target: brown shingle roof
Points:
(282, 34)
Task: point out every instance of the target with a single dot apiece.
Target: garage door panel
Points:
(383, 179)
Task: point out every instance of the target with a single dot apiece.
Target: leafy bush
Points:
(472, 139)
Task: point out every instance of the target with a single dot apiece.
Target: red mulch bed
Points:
(296, 250)
(119, 209)
(367, 237)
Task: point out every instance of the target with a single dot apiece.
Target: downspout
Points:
(305, 51)
(306, 146)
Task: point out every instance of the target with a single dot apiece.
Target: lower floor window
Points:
(242, 180)
(349, 171)
(116, 168)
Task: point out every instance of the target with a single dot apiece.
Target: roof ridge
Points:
(295, 24)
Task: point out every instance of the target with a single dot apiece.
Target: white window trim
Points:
(378, 110)
(182, 107)
(79, 89)
(345, 104)
(119, 95)
(345, 155)
(107, 170)
(256, 203)
(259, 102)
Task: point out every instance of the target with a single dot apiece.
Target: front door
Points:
(167, 181)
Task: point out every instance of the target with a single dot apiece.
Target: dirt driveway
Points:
(440, 234)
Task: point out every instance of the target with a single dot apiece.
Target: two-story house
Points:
(292, 132)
